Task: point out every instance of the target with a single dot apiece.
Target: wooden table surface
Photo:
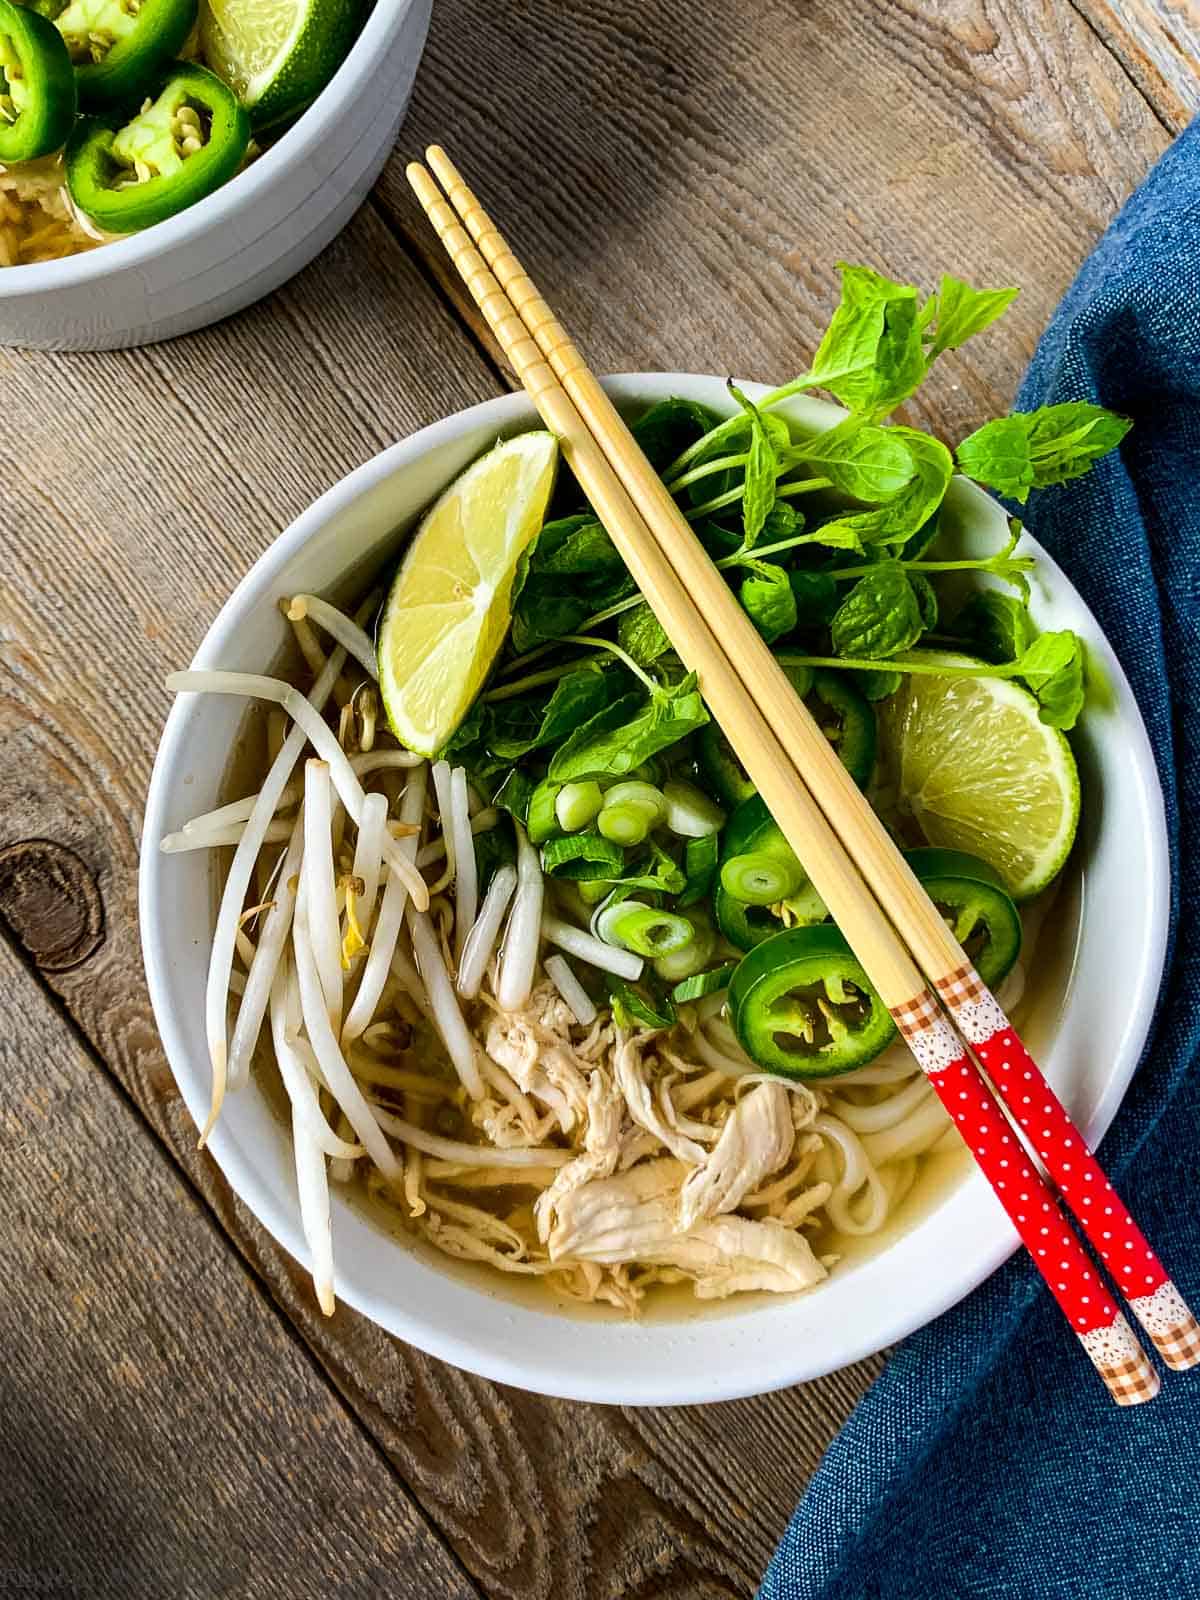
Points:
(178, 1420)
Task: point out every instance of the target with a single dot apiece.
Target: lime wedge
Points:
(448, 610)
(277, 55)
(979, 772)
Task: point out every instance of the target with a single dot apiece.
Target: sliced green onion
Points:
(576, 804)
(626, 825)
(688, 961)
(633, 925)
(635, 793)
(593, 890)
(702, 984)
(582, 855)
(542, 820)
(761, 877)
(634, 1006)
(690, 813)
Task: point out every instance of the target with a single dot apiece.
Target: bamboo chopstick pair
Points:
(895, 931)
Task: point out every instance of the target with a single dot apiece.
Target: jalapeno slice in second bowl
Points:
(189, 141)
(118, 46)
(803, 1007)
(37, 86)
(972, 898)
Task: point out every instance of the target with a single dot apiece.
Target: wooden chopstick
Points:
(1072, 1280)
(1017, 1078)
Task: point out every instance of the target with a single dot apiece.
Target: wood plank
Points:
(1158, 44)
(123, 537)
(164, 1430)
(682, 189)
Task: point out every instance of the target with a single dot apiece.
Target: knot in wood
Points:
(50, 902)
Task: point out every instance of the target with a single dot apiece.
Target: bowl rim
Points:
(618, 1386)
(239, 193)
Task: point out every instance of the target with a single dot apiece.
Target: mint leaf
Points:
(877, 685)
(879, 617)
(768, 600)
(861, 459)
(816, 597)
(872, 356)
(963, 311)
(926, 599)
(1052, 667)
(670, 427)
(762, 469)
(996, 626)
(899, 518)
(1034, 449)
(574, 544)
(629, 732)
(641, 635)
(515, 727)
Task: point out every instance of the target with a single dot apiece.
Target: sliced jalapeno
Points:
(189, 141)
(802, 1006)
(37, 86)
(972, 898)
(119, 46)
(751, 841)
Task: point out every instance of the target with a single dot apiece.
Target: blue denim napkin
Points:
(987, 1460)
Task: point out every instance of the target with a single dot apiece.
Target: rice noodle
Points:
(568, 985)
(338, 1077)
(621, 963)
(858, 1175)
(390, 919)
(472, 1155)
(466, 879)
(254, 686)
(456, 1036)
(261, 975)
(319, 887)
(336, 623)
(885, 1113)
(518, 959)
(480, 942)
(913, 1135)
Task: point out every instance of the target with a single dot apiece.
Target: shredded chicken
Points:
(601, 1151)
(634, 1217)
(633, 1079)
(756, 1140)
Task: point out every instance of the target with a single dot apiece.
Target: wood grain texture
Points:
(681, 188)
(681, 185)
(164, 1431)
(1158, 44)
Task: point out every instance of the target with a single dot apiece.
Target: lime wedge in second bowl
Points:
(981, 773)
(448, 609)
(277, 55)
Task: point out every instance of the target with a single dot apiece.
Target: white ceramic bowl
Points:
(245, 240)
(1089, 1029)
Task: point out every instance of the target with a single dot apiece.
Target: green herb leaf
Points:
(816, 597)
(582, 857)
(574, 544)
(898, 519)
(767, 598)
(879, 617)
(872, 355)
(493, 847)
(963, 311)
(515, 727)
(704, 983)
(654, 873)
(996, 626)
(861, 459)
(877, 685)
(762, 469)
(1033, 449)
(668, 428)
(628, 732)
(641, 635)
(1052, 666)
(634, 1006)
(700, 858)
(514, 794)
(926, 599)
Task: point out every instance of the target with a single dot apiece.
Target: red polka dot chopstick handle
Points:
(1082, 1183)
(1031, 1204)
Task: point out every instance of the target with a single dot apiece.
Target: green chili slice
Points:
(37, 86)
